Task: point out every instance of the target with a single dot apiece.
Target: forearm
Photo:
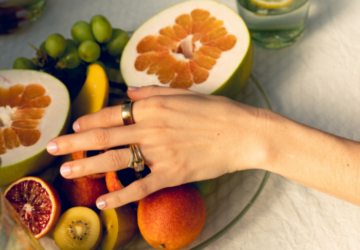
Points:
(314, 158)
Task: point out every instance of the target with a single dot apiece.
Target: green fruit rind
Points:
(232, 87)
(37, 162)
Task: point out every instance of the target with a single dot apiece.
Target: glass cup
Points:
(15, 14)
(13, 233)
(274, 27)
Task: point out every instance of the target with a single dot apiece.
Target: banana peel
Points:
(94, 95)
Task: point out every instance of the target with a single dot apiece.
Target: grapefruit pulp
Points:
(34, 108)
(200, 45)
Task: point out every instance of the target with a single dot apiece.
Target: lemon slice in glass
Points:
(272, 4)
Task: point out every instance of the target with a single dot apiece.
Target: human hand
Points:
(184, 137)
(12, 18)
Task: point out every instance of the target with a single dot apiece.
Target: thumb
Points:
(136, 93)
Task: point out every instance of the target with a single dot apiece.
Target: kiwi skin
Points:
(72, 216)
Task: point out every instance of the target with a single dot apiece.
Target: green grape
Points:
(24, 63)
(101, 28)
(99, 63)
(117, 43)
(70, 59)
(55, 45)
(89, 51)
(81, 31)
(69, 42)
(42, 47)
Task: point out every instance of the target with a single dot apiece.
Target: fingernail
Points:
(23, 23)
(132, 88)
(21, 13)
(3, 1)
(52, 147)
(65, 170)
(101, 204)
(76, 126)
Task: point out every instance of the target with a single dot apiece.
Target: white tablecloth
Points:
(316, 82)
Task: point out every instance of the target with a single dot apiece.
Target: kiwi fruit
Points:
(120, 227)
(79, 228)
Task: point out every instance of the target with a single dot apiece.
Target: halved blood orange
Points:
(34, 108)
(200, 45)
(36, 202)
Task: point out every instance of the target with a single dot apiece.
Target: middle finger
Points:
(95, 139)
(112, 160)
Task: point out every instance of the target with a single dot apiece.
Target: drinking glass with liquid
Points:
(13, 233)
(16, 14)
(274, 24)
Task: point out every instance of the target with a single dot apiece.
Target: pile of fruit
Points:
(163, 217)
(200, 45)
(67, 59)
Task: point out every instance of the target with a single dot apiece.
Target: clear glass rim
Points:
(258, 192)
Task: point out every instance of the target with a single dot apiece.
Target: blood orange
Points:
(36, 202)
(200, 45)
(34, 108)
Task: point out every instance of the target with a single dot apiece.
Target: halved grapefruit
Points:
(34, 108)
(200, 45)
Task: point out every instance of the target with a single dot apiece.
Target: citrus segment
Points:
(167, 42)
(198, 17)
(22, 114)
(27, 137)
(145, 60)
(211, 51)
(4, 96)
(180, 31)
(31, 92)
(150, 43)
(11, 139)
(40, 102)
(2, 143)
(29, 124)
(169, 32)
(199, 74)
(183, 78)
(203, 60)
(185, 22)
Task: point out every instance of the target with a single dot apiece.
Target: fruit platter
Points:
(199, 45)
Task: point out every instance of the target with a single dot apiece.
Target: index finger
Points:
(111, 116)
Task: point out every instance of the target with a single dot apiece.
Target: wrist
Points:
(253, 141)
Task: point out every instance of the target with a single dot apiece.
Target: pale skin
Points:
(186, 136)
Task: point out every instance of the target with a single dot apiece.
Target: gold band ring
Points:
(126, 113)
(138, 164)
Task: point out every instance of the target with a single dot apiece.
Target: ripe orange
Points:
(172, 218)
(36, 202)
